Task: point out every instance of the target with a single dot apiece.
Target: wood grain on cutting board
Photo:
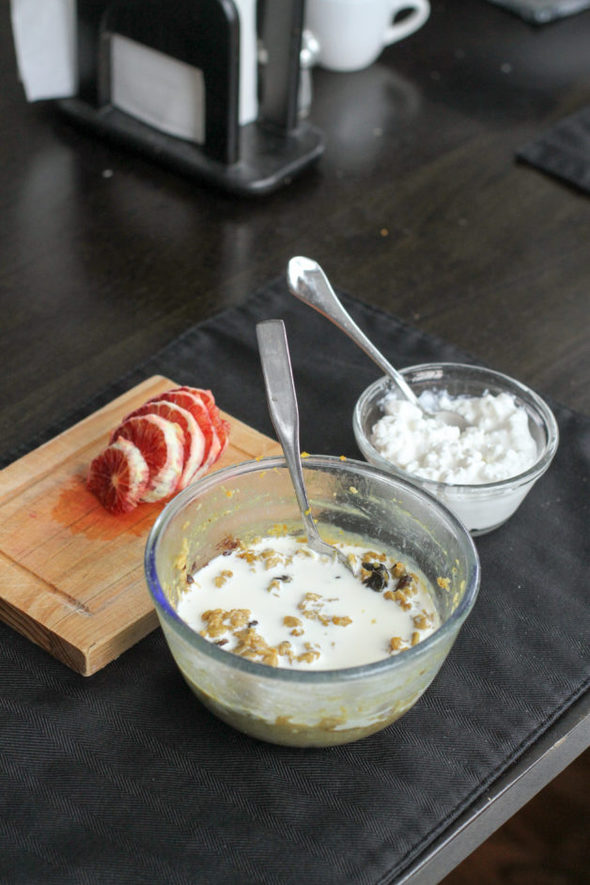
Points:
(71, 574)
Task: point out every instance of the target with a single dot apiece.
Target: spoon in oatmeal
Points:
(308, 282)
(284, 413)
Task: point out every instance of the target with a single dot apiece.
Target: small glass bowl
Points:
(313, 708)
(484, 507)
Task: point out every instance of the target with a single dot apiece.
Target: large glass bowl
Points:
(320, 707)
(483, 507)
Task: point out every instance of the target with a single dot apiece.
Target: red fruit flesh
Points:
(161, 443)
(194, 439)
(118, 476)
(223, 429)
(196, 406)
(221, 426)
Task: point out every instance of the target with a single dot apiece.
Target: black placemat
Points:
(124, 778)
(563, 151)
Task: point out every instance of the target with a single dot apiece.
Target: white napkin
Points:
(158, 90)
(44, 34)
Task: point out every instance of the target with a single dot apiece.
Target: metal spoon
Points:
(282, 406)
(308, 282)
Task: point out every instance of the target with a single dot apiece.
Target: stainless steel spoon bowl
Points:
(284, 413)
(308, 282)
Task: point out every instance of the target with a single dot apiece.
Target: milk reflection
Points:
(356, 109)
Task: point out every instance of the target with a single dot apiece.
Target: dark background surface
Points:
(417, 207)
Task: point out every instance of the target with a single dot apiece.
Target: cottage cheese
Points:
(279, 603)
(496, 445)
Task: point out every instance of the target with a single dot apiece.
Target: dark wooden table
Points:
(417, 206)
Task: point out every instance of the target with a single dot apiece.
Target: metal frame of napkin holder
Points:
(255, 158)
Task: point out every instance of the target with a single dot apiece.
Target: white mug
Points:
(353, 33)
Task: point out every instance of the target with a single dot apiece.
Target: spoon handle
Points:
(282, 406)
(308, 282)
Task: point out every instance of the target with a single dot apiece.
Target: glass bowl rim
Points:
(282, 674)
(532, 399)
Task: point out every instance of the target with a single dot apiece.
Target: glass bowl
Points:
(483, 507)
(311, 708)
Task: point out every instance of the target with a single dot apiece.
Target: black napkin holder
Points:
(250, 159)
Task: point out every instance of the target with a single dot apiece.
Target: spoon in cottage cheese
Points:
(284, 413)
(308, 282)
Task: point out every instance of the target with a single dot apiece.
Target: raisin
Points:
(379, 577)
(404, 581)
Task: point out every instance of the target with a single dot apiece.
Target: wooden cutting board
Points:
(71, 574)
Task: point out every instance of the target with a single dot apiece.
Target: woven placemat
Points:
(125, 778)
(563, 151)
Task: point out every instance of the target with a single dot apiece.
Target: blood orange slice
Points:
(222, 426)
(194, 439)
(119, 476)
(193, 403)
(161, 442)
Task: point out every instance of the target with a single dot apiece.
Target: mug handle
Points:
(413, 21)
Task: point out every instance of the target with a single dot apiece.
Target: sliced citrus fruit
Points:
(119, 476)
(193, 403)
(194, 439)
(161, 442)
(221, 426)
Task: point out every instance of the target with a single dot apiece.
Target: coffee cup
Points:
(353, 33)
